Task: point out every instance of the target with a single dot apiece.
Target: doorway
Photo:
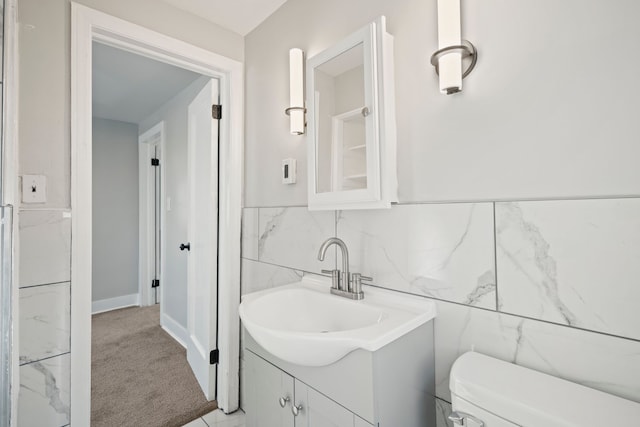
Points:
(87, 26)
(170, 109)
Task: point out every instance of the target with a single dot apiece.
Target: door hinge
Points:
(155, 283)
(216, 111)
(155, 162)
(214, 356)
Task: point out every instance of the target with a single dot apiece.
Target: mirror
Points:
(340, 131)
(352, 122)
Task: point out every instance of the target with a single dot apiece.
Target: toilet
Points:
(487, 392)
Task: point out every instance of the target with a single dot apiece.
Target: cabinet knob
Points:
(296, 409)
(283, 401)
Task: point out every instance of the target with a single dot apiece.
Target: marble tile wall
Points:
(45, 321)
(45, 247)
(257, 276)
(574, 263)
(44, 392)
(550, 285)
(291, 237)
(45, 317)
(440, 251)
(604, 362)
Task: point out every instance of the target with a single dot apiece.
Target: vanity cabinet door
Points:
(318, 410)
(266, 385)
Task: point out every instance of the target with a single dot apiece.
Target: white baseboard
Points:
(115, 303)
(173, 328)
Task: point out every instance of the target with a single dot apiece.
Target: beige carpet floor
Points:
(139, 374)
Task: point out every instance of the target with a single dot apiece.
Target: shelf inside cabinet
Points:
(356, 176)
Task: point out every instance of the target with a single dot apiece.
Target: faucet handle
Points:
(357, 279)
(327, 271)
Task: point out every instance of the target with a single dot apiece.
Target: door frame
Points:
(147, 213)
(88, 25)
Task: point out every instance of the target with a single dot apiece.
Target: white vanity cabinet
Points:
(320, 411)
(270, 388)
(393, 386)
(266, 384)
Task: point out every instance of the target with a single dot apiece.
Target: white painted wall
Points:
(549, 111)
(542, 116)
(44, 98)
(174, 282)
(115, 209)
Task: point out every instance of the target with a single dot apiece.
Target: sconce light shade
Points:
(452, 49)
(296, 110)
(450, 66)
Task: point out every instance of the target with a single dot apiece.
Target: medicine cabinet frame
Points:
(378, 113)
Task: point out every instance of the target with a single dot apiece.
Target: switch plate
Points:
(289, 171)
(34, 189)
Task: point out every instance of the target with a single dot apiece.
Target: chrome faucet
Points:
(343, 283)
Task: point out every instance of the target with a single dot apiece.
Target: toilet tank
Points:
(493, 393)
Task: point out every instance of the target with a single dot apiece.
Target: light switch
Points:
(289, 171)
(34, 189)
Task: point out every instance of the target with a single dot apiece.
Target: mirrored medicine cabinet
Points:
(351, 122)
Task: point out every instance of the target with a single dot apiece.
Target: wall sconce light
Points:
(296, 110)
(452, 49)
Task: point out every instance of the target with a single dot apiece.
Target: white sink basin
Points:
(303, 323)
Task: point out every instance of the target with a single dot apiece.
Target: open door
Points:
(202, 266)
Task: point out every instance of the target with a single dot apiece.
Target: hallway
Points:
(140, 374)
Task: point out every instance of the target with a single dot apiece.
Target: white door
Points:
(202, 229)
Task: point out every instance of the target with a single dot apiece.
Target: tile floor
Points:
(218, 418)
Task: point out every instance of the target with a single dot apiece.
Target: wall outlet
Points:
(289, 171)
(34, 189)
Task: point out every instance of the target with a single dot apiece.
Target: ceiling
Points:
(129, 87)
(240, 16)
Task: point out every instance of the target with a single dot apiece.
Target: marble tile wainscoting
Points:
(45, 317)
(549, 285)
